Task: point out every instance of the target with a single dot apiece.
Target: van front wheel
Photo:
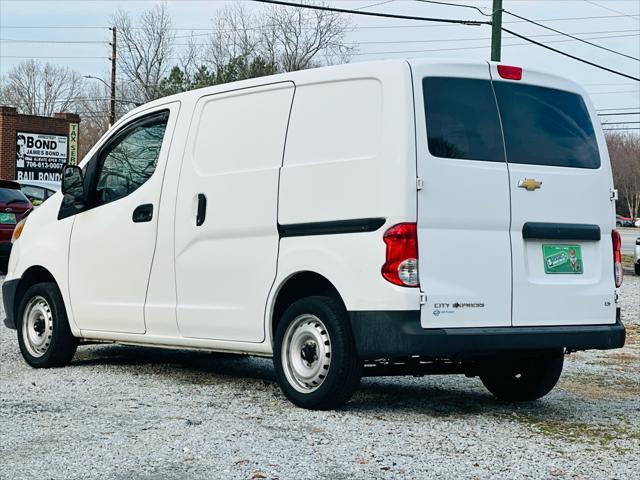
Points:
(521, 380)
(314, 354)
(43, 329)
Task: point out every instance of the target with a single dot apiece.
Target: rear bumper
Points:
(399, 334)
(9, 288)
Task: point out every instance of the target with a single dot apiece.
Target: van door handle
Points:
(202, 209)
(143, 213)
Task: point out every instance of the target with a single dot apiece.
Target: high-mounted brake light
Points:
(401, 265)
(509, 72)
(618, 272)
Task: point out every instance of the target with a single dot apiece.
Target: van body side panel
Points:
(350, 155)
(563, 276)
(225, 267)
(463, 208)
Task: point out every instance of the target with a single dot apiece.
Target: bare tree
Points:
(37, 88)
(298, 38)
(93, 108)
(288, 38)
(237, 35)
(145, 47)
(624, 151)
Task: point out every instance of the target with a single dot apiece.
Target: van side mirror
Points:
(73, 183)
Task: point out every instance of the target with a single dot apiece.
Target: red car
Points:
(14, 205)
(622, 221)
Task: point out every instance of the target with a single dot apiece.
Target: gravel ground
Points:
(140, 413)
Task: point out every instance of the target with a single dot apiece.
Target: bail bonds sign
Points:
(40, 156)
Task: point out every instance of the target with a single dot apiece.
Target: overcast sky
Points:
(617, 19)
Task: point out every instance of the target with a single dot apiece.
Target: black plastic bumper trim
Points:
(397, 334)
(560, 231)
(9, 288)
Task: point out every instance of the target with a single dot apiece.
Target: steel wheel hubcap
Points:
(306, 353)
(37, 326)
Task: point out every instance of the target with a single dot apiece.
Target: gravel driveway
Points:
(138, 413)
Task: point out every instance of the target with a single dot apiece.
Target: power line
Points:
(635, 17)
(618, 129)
(374, 5)
(453, 39)
(456, 5)
(10, 40)
(474, 47)
(618, 113)
(52, 27)
(607, 84)
(310, 6)
(52, 58)
(106, 27)
(570, 36)
(615, 91)
(560, 52)
(619, 108)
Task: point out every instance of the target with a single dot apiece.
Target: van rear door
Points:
(561, 210)
(463, 205)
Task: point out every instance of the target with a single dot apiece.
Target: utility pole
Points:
(496, 30)
(112, 100)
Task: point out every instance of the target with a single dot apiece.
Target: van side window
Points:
(131, 161)
(462, 119)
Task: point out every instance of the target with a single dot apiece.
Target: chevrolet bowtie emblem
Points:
(530, 184)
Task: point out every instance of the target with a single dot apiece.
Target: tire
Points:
(523, 380)
(637, 268)
(43, 329)
(314, 354)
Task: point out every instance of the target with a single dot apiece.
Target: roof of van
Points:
(319, 74)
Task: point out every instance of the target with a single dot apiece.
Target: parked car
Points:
(636, 257)
(324, 229)
(622, 221)
(37, 191)
(14, 205)
(637, 222)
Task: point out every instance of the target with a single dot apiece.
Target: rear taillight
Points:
(618, 272)
(401, 265)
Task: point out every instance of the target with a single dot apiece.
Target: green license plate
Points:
(7, 218)
(562, 259)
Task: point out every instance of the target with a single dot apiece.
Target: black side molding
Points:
(560, 231)
(331, 228)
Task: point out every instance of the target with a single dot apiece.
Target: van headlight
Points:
(18, 230)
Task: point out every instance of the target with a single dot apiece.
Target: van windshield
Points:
(541, 126)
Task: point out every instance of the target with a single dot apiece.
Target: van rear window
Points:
(545, 126)
(462, 119)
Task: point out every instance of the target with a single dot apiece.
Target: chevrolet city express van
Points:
(399, 217)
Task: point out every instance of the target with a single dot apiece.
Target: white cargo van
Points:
(400, 217)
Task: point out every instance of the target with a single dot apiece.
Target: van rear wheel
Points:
(44, 335)
(526, 379)
(314, 354)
